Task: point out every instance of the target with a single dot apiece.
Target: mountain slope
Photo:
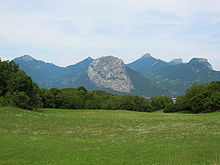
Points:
(176, 61)
(71, 77)
(110, 72)
(111, 78)
(147, 64)
(146, 76)
(175, 75)
(41, 72)
(48, 75)
(146, 87)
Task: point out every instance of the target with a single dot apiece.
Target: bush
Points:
(171, 107)
(18, 99)
(126, 102)
(58, 97)
(17, 88)
(133, 103)
(206, 101)
(160, 102)
(47, 98)
(200, 98)
(2, 101)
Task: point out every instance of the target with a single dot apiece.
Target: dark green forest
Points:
(17, 89)
(198, 98)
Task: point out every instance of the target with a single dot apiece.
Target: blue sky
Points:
(65, 32)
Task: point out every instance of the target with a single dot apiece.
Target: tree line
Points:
(199, 98)
(17, 89)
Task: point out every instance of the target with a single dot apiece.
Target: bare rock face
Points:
(110, 72)
(176, 61)
(203, 61)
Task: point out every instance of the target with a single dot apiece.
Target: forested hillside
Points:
(175, 75)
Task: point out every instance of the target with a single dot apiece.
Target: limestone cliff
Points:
(110, 72)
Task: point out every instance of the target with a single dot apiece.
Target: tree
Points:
(81, 91)
(6, 69)
(160, 102)
(207, 101)
(47, 98)
(183, 103)
(200, 98)
(91, 101)
(18, 99)
(2, 101)
(17, 88)
(58, 97)
(71, 99)
(171, 107)
(142, 104)
(19, 81)
(126, 102)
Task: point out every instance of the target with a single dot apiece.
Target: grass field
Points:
(108, 137)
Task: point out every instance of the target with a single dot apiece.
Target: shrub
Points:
(18, 99)
(160, 102)
(206, 101)
(171, 107)
(2, 101)
(200, 98)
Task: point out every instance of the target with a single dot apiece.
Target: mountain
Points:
(41, 72)
(71, 76)
(146, 87)
(202, 61)
(110, 72)
(176, 61)
(48, 75)
(175, 75)
(81, 66)
(146, 76)
(105, 73)
(146, 64)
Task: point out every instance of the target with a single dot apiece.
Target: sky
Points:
(65, 32)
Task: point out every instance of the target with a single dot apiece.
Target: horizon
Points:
(184, 62)
(65, 33)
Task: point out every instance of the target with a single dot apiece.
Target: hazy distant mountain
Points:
(48, 75)
(147, 64)
(202, 61)
(111, 72)
(41, 72)
(146, 87)
(71, 75)
(175, 75)
(176, 61)
(106, 73)
(146, 76)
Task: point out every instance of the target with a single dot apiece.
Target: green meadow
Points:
(84, 137)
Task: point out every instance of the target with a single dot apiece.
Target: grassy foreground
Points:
(108, 137)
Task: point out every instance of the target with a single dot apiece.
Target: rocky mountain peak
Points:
(176, 61)
(27, 58)
(88, 59)
(199, 60)
(110, 72)
(146, 55)
(203, 61)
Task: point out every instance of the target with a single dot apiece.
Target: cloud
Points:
(67, 31)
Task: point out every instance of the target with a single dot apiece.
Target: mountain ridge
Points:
(149, 76)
